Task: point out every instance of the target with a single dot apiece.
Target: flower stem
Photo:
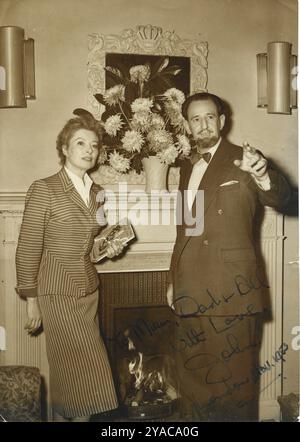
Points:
(124, 115)
(141, 89)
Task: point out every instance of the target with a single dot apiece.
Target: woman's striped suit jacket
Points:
(56, 238)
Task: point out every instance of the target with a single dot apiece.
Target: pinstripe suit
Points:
(53, 263)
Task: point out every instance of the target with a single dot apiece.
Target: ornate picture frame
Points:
(143, 40)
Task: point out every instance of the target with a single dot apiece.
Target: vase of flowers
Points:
(143, 124)
(156, 174)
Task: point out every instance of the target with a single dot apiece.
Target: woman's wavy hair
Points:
(83, 120)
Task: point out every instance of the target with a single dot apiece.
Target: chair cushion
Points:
(20, 394)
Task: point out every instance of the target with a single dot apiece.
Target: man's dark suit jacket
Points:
(217, 272)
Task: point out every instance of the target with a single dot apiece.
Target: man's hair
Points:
(202, 96)
(72, 126)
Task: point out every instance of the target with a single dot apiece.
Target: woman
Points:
(58, 280)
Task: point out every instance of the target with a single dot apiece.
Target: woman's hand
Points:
(34, 316)
(114, 248)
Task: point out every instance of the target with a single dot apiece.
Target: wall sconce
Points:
(17, 82)
(276, 78)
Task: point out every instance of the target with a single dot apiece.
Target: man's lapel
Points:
(182, 208)
(216, 173)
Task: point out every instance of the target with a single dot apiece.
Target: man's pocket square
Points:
(229, 183)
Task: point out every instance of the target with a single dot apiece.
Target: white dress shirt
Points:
(83, 187)
(197, 175)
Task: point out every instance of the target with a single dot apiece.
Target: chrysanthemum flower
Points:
(169, 155)
(184, 145)
(118, 162)
(114, 94)
(159, 140)
(113, 124)
(141, 105)
(141, 121)
(140, 73)
(173, 111)
(157, 122)
(175, 95)
(132, 141)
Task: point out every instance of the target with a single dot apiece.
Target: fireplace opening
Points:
(144, 365)
(138, 328)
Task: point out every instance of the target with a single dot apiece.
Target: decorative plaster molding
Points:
(12, 198)
(144, 40)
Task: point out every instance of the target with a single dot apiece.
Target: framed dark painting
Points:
(124, 62)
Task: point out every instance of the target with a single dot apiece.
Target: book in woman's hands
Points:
(122, 231)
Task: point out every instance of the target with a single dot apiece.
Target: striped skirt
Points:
(81, 381)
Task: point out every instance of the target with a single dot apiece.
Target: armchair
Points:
(20, 394)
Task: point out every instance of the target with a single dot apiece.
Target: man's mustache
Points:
(205, 132)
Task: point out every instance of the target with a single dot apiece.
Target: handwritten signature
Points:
(267, 366)
(230, 321)
(186, 306)
(188, 339)
(140, 329)
(219, 373)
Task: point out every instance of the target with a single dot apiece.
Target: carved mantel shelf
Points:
(154, 245)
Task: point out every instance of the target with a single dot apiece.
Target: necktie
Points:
(196, 156)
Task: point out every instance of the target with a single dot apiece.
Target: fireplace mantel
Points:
(152, 249)
(155, 235)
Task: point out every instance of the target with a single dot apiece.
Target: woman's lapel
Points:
(72, 193)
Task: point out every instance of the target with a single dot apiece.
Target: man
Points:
(217, 287)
